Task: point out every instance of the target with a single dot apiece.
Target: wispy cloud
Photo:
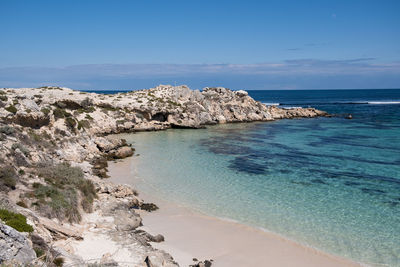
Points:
(299, 73)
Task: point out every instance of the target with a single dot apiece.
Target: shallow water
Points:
(330, 183)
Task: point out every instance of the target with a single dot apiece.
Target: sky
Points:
(116, 44)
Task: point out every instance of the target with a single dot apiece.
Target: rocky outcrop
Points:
(50, 126)
(158, 108)
(14, 246)
(290, 113)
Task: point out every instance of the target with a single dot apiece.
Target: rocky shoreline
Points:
(54, 154)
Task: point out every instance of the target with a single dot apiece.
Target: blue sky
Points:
(238, 44)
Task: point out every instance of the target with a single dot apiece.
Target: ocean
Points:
(330, 183)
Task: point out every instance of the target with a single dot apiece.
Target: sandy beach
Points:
(189, 234)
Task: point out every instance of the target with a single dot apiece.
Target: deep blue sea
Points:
(330, 183)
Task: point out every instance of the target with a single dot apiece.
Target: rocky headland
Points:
(55, 202)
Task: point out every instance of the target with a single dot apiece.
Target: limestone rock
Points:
(123, 152)
(59, 230)
(127, 221)
(241, 93)
(15, 246)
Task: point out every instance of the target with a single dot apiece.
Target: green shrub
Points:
(39, 252)
(83, 124)
(2, 92)
(90, 109)
(10, 182)
(89, 117)
(173, 103)
(8, 177)
(58, 261)
(45, 111)
(36, 137)
(21, 203)
(3, 98)
(23, 149)
(62, 203)
(63, 183)
(70, 122)
(8, 130)
(58, 113)
(12, 109)
(15, 220)
(61, 113)
(88, 194)
(107, 107)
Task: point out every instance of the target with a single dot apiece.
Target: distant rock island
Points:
(54, 152)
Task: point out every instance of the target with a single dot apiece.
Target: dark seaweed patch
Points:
(392, 203)
(355, 175)
(318, 181)
(372, 191)
(245, 164)
(351, 183)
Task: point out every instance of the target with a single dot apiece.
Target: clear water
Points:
(330, 183)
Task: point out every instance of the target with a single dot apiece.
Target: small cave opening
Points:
(160, 116)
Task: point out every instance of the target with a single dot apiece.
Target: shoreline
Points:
(47, 133)
(187, 233)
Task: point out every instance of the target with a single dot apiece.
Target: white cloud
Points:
(300, 73)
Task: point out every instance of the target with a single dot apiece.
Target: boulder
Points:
(60, 231)
(241, 93)
(123, 152)
(127, 221)
(30, 104)
(14, 246)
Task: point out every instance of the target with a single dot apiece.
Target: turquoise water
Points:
(330, 183)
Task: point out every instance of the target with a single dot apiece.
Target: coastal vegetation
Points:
(12, 109)
(65, 191)
(8, 177)
(15, 220)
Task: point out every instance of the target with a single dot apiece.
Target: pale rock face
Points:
(15, 246)
(30, 104)
(221, 119)
(154, 109)
(241, 93)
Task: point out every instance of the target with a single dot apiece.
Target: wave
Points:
(271, 104)
(335, 103)
(383, 102)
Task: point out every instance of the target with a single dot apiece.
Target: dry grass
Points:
(66, 190)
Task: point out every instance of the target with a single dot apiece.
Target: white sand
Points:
(189, 235)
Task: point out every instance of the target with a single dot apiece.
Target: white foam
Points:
(290, 107)
(383, 102)
(271, 104)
